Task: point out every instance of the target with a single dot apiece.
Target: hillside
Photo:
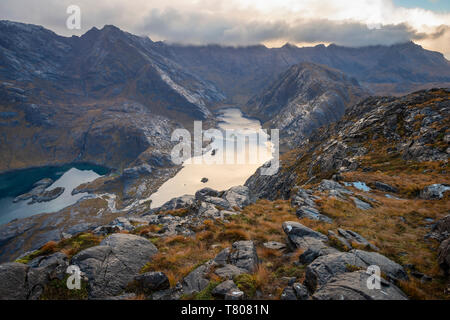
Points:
(371, 189)
(304, 98)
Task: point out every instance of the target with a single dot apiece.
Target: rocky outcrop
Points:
(322, 269)
(353, 286)
(113, 264)
(27, 282)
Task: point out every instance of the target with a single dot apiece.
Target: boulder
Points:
(434, 191)
(229, 271)
(110, 266)
(354, 237)
(238, 196)
(312, 213)
(206, 192)
(385, 187)
(274, 245)
(243, 255)
(224, 288)
(196, 280)
(288, 294)
(444, 256)
(301, 292)
(361, 204)
(441, 229)
(184, 202)
(152, 281)
(353, 286)
(322, 269)
(295, 230)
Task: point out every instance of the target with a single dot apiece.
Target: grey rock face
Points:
(361, 204)
(353, 286)
(224, 288)
(238, 196)
(271, 187)
(196, 281)
(27, 282)
(152, 281)
(312, 213)
(229, 271)
(434, 191)
(110, 266)
(243, 255)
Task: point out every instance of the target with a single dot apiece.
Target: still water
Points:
(16, 183)
(221, 176)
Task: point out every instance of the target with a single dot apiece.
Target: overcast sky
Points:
(244, 22)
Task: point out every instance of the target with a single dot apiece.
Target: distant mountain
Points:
(242, 72)
(101, 64)
(304, 98)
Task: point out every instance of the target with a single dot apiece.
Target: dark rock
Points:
(152, 281)
(243, 255)
(385, 187)
(204, 180)
(301, 291)
(288, 294)
(238, 196)
(444, 256)
(206, 192)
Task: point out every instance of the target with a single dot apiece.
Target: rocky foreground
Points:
(371, 190)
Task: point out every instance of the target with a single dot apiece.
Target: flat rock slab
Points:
(110, 266)
(353, 286)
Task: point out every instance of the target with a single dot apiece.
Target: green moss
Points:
(290, 271)
(57, 290)
(206, 294)
(246, 283)
(31, 256)
(79, 242)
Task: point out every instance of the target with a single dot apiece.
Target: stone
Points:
(288, 294)
(353, 286)
(183, 202)
(229, 271)
(206, 192)
(204, 180)
(54, 265)
(110, 266)
(222, 257)
(440, 230)
(243, 255)
(301, 292)
(322, 269)
(223, 288)
(354, 237)
(196, 280)
(235, 295)
(385, 187)
(444, 256)
(274, 245)
(361, 204)
(312, 213)
(434, 191)
(218, 202)
(152, 281)
(238, 196)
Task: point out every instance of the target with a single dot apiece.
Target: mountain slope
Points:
(305, 97)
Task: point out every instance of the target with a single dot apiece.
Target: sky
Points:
(246, 22)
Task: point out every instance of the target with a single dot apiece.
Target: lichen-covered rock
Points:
(243, 255)
(353, 286)
(434, 191)
(110, 266)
